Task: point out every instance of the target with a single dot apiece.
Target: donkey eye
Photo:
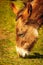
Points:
(21, 35)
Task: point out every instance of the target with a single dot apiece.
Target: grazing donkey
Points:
(29, 19)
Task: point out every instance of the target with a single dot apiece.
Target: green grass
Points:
(8, 55)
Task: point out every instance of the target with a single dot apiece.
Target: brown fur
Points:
(25, 24)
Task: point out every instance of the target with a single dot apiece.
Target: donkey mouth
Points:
(22, 52)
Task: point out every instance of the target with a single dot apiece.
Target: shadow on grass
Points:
(35, 56)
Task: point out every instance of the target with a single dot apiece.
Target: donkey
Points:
(29, 19)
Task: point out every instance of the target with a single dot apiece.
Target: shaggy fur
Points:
(29, 19)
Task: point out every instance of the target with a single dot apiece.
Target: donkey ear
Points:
(14, 8)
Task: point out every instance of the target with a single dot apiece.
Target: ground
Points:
(8, 55)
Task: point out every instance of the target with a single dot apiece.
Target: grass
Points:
(8, 55)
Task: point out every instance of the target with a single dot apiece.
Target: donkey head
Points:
(26, 28)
